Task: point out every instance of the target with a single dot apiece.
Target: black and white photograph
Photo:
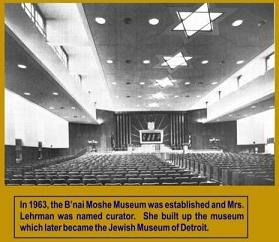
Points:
(150, 94)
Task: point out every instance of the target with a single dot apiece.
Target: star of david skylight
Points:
(199, 20)
(174, 61)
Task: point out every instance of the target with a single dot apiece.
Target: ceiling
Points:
(251, 109)
(37, 83)
(127, 38)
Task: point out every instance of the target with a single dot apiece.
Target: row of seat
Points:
(109, 169)
(97, 175)
(229, 168)
(114, 181)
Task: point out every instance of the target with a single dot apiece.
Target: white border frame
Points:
(152, 131)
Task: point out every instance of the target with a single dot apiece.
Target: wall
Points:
(31, 123)
(177, 126)
(262, 86)
(201, 133)
(128, 126)
(269, 131)
(79, 134)
(258, 128)
(30, 154)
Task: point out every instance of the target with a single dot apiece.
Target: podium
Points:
(185, 148)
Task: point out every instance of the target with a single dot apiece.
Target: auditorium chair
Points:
(189, 183)
(169, 183)
(102, 176)
(108, 172)
(44, 182)
(198, 179)
(143, 175)
(40, 176)
(132, 184)
(28, 182)
(131, 175)
(104, 180)
(147, 171)
(59, 181)
(91, 182)
(120, 180)
(71, 176)
(167, 180)
(112, 184)
(52, 176)
(209, 183)
(64, 176)
(135, 180)
(14, 181)
(84, 173)
(150, 184)
(74, 182)
(182, 179)
(29, 176)
(150, 180)
(89, 176)
(17, 176)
